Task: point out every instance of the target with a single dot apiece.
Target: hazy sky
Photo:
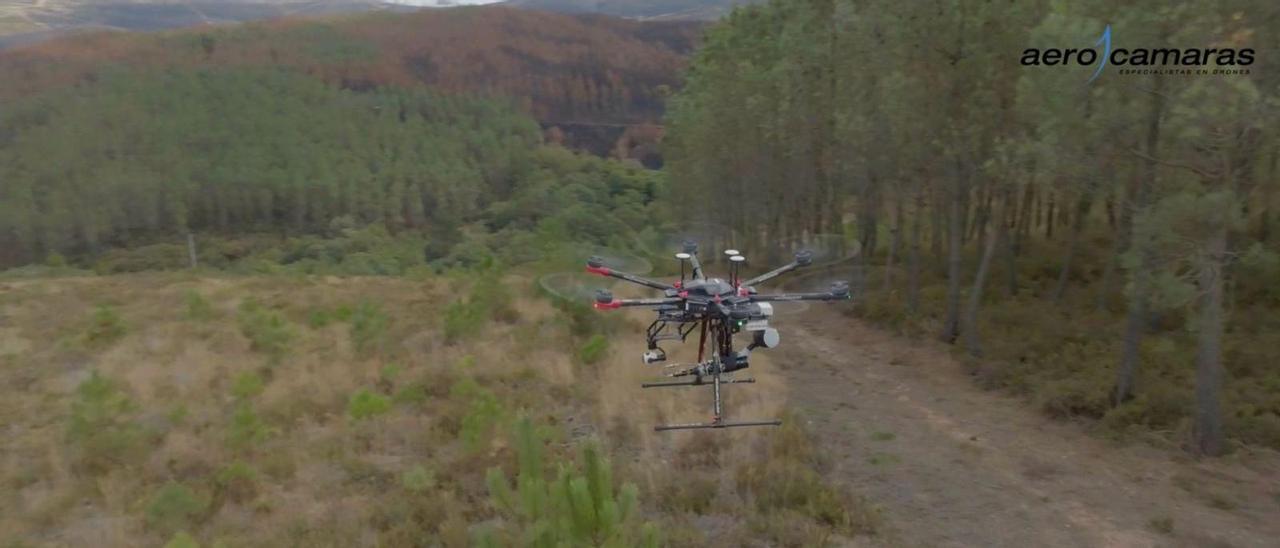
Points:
(438, 2)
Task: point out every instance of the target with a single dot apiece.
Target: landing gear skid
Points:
(717, 420)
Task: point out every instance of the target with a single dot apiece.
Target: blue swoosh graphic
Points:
(1105, 41)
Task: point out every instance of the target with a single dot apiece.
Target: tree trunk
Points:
(1073, 244)
(894, 241)
(1264, 230)
(970, 327)
(955, 235)
(913, 258)
(1208, 436)
(937, 231)
(1023, 228)
(1049, 220)
(869, 223)
(1134, 327)
(1135, 323)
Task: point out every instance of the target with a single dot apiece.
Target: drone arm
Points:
(619, 303)
(839, 291)
(697, 267)
(605, 271)
(772, 274)
(783, 297)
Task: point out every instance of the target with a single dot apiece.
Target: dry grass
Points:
(288, 465)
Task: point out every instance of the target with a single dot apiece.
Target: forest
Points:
(1107, 249)
(159, 135)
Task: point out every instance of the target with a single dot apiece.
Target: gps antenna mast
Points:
(733, 266)
(682, 257)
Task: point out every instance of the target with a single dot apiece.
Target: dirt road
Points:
(952, 465)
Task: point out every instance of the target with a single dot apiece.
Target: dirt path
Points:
(956, 466)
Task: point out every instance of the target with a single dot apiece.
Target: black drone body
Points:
(719, 308)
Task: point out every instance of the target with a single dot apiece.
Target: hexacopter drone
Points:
(719, 309)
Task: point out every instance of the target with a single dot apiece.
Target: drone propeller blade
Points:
(574, 286)
(820, 249)
(704, 238)
(578, 286)
(826, 280)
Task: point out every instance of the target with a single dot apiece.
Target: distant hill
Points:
(561, 68)
(27, 21)
(670, 10)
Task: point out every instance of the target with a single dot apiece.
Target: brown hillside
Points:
(563, 68)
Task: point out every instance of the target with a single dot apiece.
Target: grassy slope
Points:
(301, 468)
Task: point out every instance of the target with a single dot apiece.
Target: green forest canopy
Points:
(1122, 219)
(147, 156)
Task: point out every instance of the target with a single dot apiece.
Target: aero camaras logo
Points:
(1171, 60)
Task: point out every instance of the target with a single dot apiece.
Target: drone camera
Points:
(656, 355)
(768, 338)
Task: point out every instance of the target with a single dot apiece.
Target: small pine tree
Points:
(594, 349)
(366, 404)
(198, 308)
(368, 327)
(578, 508)
(105, 327)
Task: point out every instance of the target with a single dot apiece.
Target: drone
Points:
(718, 309)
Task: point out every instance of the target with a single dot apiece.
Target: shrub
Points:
(365, 404)
(1075, 396)
(198, 308)
(488, 300)
(418, 479)
(410, 395)
(578, 507)
(247, 429)
(582, 318)
(55, 260)
(105, 326)
(238, 480)
(267, 331)
(1160, 405)
(368, 327)
(182, 540)
(688, 493)
(460, 320)
(785, 480)
(484, 412)
(389, 373)
(319, 318)
(247, 385)
(175, 507)
(101, 426)
(144, 258)
(594, 349)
